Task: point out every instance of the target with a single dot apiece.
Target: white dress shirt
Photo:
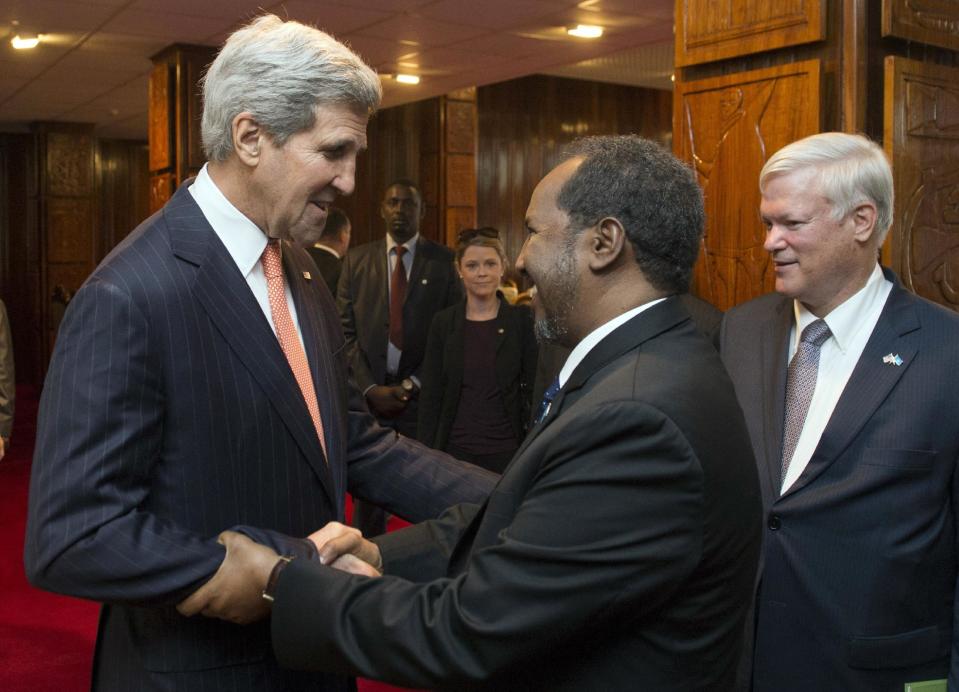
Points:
(851, 324)
(392, 353)
(243, 240)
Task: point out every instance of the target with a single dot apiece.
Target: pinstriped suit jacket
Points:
(169, 414)
(859, 564)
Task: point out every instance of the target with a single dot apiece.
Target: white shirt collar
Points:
(409, 244)
(594, 337)
(243, 239)
(845, 320)
(327, 248)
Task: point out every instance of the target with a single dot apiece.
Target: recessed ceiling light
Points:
(407, 78)
(25, 40)
(585, 31)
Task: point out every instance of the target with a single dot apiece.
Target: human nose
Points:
(345, 179)
(774, 239)
(521, 258)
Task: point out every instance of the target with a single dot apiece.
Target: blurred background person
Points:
(480, 362)
(329, 250)
(7, 381)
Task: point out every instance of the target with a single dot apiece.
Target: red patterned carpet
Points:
(46, 641)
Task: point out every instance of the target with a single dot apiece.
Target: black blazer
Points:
(364, 304)
(617, 552)
(329, 265)
(442, 370)
(858, 580)
(170, 413)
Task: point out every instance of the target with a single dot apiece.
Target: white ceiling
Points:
(94, 61)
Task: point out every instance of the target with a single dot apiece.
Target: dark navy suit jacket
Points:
(169, 414)
(858, 574)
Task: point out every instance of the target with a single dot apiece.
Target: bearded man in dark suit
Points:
(618, 551)
(199, 382)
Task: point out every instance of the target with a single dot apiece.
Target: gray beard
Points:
(553, 327)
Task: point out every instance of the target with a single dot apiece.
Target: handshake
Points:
(237, 591)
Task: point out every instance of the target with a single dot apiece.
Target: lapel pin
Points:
(892, 359)
(500, 330)
(306, 275)
(424, 282)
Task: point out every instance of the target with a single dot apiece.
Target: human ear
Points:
(247, 138)
(864, 218)
(606, 242)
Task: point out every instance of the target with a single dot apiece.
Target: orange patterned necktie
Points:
(286, 333)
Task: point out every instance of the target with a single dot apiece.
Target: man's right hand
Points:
(387, 401)
(344, 547)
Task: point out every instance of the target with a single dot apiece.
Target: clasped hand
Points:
(235, 592)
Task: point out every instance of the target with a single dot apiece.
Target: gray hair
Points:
(280, 72)
(650, 192)
(852, 169)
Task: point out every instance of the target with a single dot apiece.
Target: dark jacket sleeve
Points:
(431, 379)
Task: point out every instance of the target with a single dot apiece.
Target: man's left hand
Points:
(235, 592)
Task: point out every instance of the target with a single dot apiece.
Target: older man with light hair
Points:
(199, 383)
(850, 386)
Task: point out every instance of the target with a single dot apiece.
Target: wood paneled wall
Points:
(65, 200)
(402, 142)
(524, 123)
(823, 62)
(123, 189)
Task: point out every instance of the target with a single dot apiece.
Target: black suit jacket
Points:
(170, 413)
(329, 265)
(618, 551)
(859, 563)
(364, 305)
(442, 370)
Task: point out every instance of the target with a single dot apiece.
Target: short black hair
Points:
(406, 182)
(336, 221)
(650, 192)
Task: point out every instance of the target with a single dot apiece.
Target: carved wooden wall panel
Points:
(922, 142)
(69, 165)
(161, 105)
(69, 221)
(935, 22)
(161, 190)
(709, 30)
(727, 127)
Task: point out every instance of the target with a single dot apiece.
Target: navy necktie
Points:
(548, 397)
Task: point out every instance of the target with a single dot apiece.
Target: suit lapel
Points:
(229, 303)
(417, 271)
(870, 383)
(775, 352)
(321, 369)
(643, 327)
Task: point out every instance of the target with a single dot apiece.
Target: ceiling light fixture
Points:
(25, 40)
(407, 78)
(585, 31)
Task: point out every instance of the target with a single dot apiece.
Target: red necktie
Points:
(397, 298)
(286, 333)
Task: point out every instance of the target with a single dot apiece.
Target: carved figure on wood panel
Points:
(734, 261)
(930, 232)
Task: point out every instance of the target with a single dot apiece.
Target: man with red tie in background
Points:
(389, 291)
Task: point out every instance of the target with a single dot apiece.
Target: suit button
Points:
(774, 522)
